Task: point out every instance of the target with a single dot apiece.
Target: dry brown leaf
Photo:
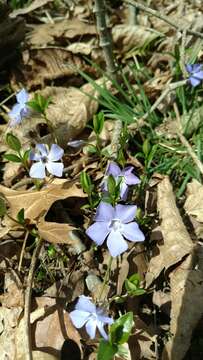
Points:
(57, 233)
(41, 65)
(128, 37)
(37, 203)
(194, 202)
(177, 242)
(69, 113)
(45, 34)
(33, 6)
(8, 323)
(186, 311)
(54, 328)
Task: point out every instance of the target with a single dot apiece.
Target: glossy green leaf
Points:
(12, 157)
(106, 350)
(3, 208)
(21, 216)
(13, 142)
(120, 330)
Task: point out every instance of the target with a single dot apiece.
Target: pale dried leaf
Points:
(128, 37)
(45, 34)
(69, 113)
(194, 202)
(41, 65)
(177, 242)
(186, 311)
(58, 233)
(37, 203)
(8, 323)
(33, 6)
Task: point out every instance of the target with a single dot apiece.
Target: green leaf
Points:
(120, 330)
(98, 123)
(106, 350)
(26, 155)
(21, 216)
(3, 208)
(12, 157)
(85, 182)
(146, 147)
(13, 142)
(111, 184)
(35, 106)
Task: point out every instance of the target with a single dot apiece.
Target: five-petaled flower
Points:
(196, 74)
(115, 224)
(86, 313)
(126, 176)
(46, 160)
(19, 110)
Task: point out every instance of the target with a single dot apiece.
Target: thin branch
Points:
(28, 294)
(104, 37)
(184, 141)
(162, 17)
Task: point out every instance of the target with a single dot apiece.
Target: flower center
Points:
(116, 225)
(44, 159)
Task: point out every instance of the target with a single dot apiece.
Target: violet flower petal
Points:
(132, 232)
(85, 304)
(103, 333)
(116, 243)
(105, 212)
(37, 170)
(22, 96)
(125, 213)
(98, 232)
(123, 191)
(189, 68)
(199, 75)
(113, 169)
(42, 149)
(55, 168)
(56, 153)
(130, 178)
(35, 156)
(79, 318)
(91, 327)
(15, 115)
(194, 82)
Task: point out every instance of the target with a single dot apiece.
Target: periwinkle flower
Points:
(86, 313)
(196, 74)
(19, 110)
(115, 224)
(126, 176)
(46, 160)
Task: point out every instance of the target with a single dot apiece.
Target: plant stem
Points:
(105, 37)
(106, 277)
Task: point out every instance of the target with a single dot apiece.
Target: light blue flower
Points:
(126, 176)
(86, 313)
(196, 74)
(19, 110)
(46, 160)
(115, 224)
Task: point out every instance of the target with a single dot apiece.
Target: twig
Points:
(115, 143)
(132, 15)
(162, 17)
(28, 294)
(22, 250)
(183, 140)
(104, 37)
(169, 88)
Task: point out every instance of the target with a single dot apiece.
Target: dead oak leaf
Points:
(37, 203)
(194, 202)
(177, 242)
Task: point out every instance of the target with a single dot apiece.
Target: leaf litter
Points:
(165, 271)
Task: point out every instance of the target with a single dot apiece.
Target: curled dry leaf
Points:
(41, 65)
(57, 233)
(37, 203)
(177, 242)
(186, 310)
(33, 6)
(69, 112)
(45, 34)
(128, 37)
(194, 202)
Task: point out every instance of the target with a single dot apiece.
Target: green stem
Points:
(106, 277)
